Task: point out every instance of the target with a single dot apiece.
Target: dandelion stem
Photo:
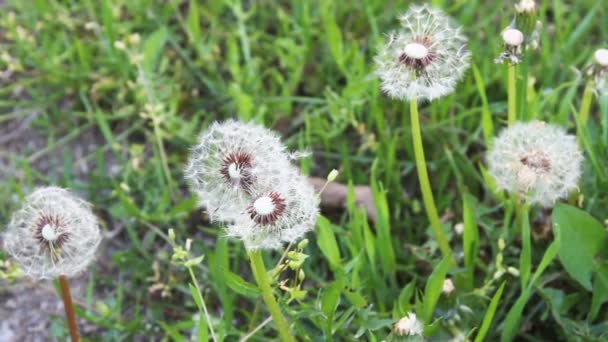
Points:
(586, 103)
(512, 95)
(202, 301)
(69, 308)
(261, 277)
(425, 185)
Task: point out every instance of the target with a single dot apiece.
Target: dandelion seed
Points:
(537, 160)
(448, 287)
(409, 326)
(229, 159)
(277, 214)
(425, 59)
(54, 234)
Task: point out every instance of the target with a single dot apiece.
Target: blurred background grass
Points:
(105, 97)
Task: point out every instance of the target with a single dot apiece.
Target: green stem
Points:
(425, 185)
(261, 277)
(512, 95)
(586, 103)
(202, 301)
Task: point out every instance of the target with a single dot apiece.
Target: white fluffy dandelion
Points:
(425, 59)
(54, 234)
(600, 71)
(229, 159)
(409, 326)
(277, 214)
(537, 160)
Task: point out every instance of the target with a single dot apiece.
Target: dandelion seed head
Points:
(279, 213)
(229, 160)
(425, 58)
(601, 57)
(54, 233)
(409, 325)
(537, 160)
(513, 37)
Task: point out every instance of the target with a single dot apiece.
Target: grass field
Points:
(106, 98)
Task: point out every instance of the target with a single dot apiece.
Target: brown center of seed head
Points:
(537, 161)
(267, 216)
(236, 170)
(51, 234)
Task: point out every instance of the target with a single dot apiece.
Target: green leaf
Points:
(489, 316)
(196, 296)
(384, 242)
(582, 238)
(433, 288)
(333, 35)
(194, 261)
(486, 116)
(470, 237)
(329, 303)
(327, 242)
(152, 49)
(403, 303)
(356, 299)
(241, 286)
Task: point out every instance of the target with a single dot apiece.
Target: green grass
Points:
(304, 68)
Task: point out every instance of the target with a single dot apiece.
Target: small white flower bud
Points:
(448, 287)
(409, 326)
(459, 228)
(120, 45)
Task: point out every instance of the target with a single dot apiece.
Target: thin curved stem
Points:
(261, 277)
(425, 185)
(202, 301)
(68, 305)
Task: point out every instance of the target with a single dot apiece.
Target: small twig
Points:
(252, 332)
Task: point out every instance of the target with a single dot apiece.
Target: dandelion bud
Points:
(525, 15)
(171, 235)
(409, 326)
(537, 160)
(425, 59)
(448, 287)
(459, 228)
(333, 175)
(55, 233)
(513, 271)
(501, 244)
(120, 45)
(302, 244)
